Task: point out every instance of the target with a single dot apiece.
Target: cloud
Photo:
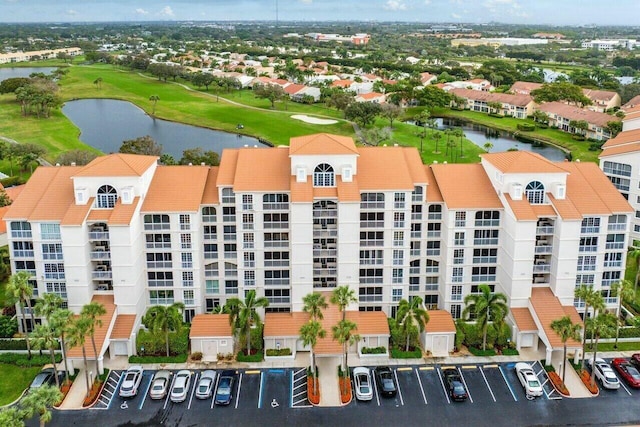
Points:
(306, 1)
(166, 11)
(72, 12)
(141, 11)
(395, 5)
(456, 16)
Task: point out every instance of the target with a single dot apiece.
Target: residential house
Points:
(427, 79)
(375, 97)
(475, 84)
(561, 115)
(297, 92)
(524, 88)
(602, 100)
(212, 335)
(518, 106)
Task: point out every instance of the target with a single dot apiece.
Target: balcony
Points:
(276, 225)
(275, 206)
(487, 223)
(21, 234)
(325, 253)
(276, 263)
(456, 297)
(211, 255)
(157, 226)
(159, 264)
(590, 248)
(434, 216)
(211, 273)
(99, 235)
(28, 253)
(542, 268)
(324, 272)
(325, 214)
(99, 255)
(276, 244)
(370, 298)
(158, 245)
(545, 230)
(544, 249)
(100, 274)
(485, 242)
(209, 236)
(106, 286)
(617, 227)
(615, 245)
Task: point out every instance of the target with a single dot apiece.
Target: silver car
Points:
(362, 380)
(205, 384)
(160, 384)
(131, 381)
(181, 385)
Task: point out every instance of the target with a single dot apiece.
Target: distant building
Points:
(357, 39)
(496, 42)
(7, 58)
(517, 106)
(610, 45)
(561, 115)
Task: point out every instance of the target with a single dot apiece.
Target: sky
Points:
(556, 12)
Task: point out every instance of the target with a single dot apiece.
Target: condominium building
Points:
(317, 214)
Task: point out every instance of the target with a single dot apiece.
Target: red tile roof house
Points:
(378, 98)
(517, 106)
(561, 114)
(296, 92)
(603, 100)
(427, 78)
(524, 88)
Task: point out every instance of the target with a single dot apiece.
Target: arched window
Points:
(323, 176)
(535, 192)
(107, 196)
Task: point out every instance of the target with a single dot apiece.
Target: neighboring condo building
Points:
(318, 214)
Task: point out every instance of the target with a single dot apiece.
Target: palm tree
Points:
(343, 332)
(437, 137)
(47, 305)
(412, 316)
(154, 99)
(77, 333)
(635, 253)
(93, 311)
(624, 291)
(45, 338)
(566, 330)
(11, 417)
(309, 334)
(59, 322)
(487, 307)
(314, 303)
(20, 291)
(39, 401)
(591, 298)
(488, 146)
(602, 324)
(164, 319)
(342, 296)
(243, 315)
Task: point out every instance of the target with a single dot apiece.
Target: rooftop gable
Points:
(322, 144)
(521, 162)
(118, 164)
(465, 186)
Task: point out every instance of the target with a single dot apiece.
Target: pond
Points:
(105, 123)
(10, 73)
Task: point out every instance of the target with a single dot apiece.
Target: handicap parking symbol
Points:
(274, 403)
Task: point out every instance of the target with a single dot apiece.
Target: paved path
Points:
(329, 384)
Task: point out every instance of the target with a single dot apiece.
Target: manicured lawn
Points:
(14, 380)
(622, 346)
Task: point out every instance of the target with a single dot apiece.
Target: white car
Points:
(362, 380)
(204, 390)
(181, 385)
(131, 381)
(160, 384)
(605, 374)
(528, 379)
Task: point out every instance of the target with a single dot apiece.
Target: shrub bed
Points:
(181, 358)
(401, 354)
(96, 388)
(526, 127)
(510, 352)
(16, 344)
(313, 390)
(280, 352)
(196, 356)
(374, 350)
(558, 384)
(586, 380)
(479, 352)
(345, 390)
(149, 344)
(22, 359)
(251, 358)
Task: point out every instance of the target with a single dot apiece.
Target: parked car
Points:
(160, 384)
(627, 371)
(455, 386)
(181, 385)
(46, 377)
(131, 381)
(362, 380)
(386, 381)
(635, 360)
(205, 384)
(224, 392)
(604, 374)
(528, 379)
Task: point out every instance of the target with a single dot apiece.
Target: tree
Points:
(79, 157)
(39, 402)
(602, 324)
(77, 334)
(591, 298)
(363, 113)
(203, 79)
(342, 296)
(614, 127)
(486, 307)
(343, 332)
(309, 334)
(566, 330)
(11, 417)
(635, 253)
(374, 136)
(437, 137)
(10, 85)
(412, 318)
(44, 338)
(314, 303)
(540, 117)
(93, 311)
(390, 112)
(268, 91)
(433, 97)
(244, 316)
(144, 145)
(162, 319)
(154, 99)
(167, 159)
(196, 156)
(560, 91)
(59, 321)
(47, 305)
(488, 146)
(340, 100)
(579, 126)
(624, 291)
(20, 291)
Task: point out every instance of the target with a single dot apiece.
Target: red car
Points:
(627, 371)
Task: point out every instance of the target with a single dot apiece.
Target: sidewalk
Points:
(77, 393)
(328, 378)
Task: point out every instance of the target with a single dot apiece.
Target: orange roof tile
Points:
(76, 214)
(123, 327)
(348, 191)
(565, 208)
(100, 334)
(227, 169)
(522, 209)
(322, 144)
(544, 211)
(620, 149)
(624, 137)
(101, 215)
(433, 192)
(210, 196)
(210, 325)
(325, 193)
(273, 173)
(524, 320)
(415, 165)
(301, 192)
(547, 308)
(599, 95)
(571, 311)
(123, 214)
(440, 321)
(385, 168)
(572, 112)
(524, 87)
(284, 324)
(176, 189)
(14, 192)
(465, 186)
(369, 322)
(503, 98)
(521, 162)
(371, 95)
(118, 164)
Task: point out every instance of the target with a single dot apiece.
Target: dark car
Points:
(627, 371)
(46, 377)
(455, 386)
(224, 392)
(386, 381)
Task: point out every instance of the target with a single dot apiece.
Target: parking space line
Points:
(465, 385)
(260, 392)
(146, 392)
(443, 387)
(404, 369)
(251, 372)
(166, 401)
(488, 386)
(490, 366)
(375, 386)
(395, 373)
(215, 390)
(504, 377)
(624, 387)
(114, 390)
(424, 396)
(426, 368)
(468, 367)
(238, 392)
(195, 385)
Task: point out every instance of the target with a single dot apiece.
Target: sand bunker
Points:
(313, 120)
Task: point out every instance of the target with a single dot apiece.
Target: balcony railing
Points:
(159, 264)
(370, 298)
(157, 226)
(101, 274)
(276, 244)
(544, 249)
(211, 273)
(323, 272)
(542, 268)
(26, 253)
(96, 255)
(100, 235)
(21, 234)
(544, 230)
(485, 241)
(590, 248)
(325, 253)
(617, 227)
(615, 245)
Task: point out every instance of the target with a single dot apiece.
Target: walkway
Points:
(76, 395)
(328, 377)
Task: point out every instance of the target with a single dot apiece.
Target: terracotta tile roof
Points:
(273, 173)
(599, 95)
(572, 112)
(101, 215)
(433, 192)
(544, 211)
(415, 165)
(524, 87)
(348, 191)
(77, 214)
(369, 322)
(440, 321)
(12, 194)
(3, 224)
(465, 186)
(292, 89)
(521, 162)
(176, 189)
(100, 334)
(123, 327)
(301, 192)
(503, 98)
(524, 320)
(284, 324)
(370, 95)
(624, 137)
(118, 164)
(210, 196)
(620, 149)
(325, 192)
(547, 308)
(210, 325)
(227, 169)
(123, 214)
(631, 112)
(571, 311)
(322, 144)
(522, 209)
(341, 83)
(633, 102)
(565, 208)
(385, 168)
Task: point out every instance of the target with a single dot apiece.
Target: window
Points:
(158, 241)
(106, 197)
(609, 278)
(59, 288)
(371, 219)
(431, 302)
(211, 287)
(535, 192)
(614, 168)
(276, 259)
(161, 297)
(370, 294)
(249, 278)
(276, 240)
(398, 220)
(396, 295)
(415, 249)
(25, 250)
(398, 257)
(160, 278)
(461, 219)
(247, 202)
(276, 220)
(397, 275)
(458, 239)
(433, 248)
(54, 271)
(483, 274)
(185, 222)
(456, 293)
(231, 287)
(210, 251)
(456, 275)
(229, 233)
(414, 267)
(435, 213)
(208, 214)
(433, 229)
(323, 176)
(487, 219)
(156, 222)
(277, 296)
(432, 266)
(276, 277)
(416, 212)
(399, 200)
(372, 201)
(187, 260)
(431, 284)
(187, 278)
(615, 241)
(230, 269)
(188, 297)
(622, 184)
(371, 257)
(475, 289)
(247, 221)
(611, 259)
(49, 250)
(590, 225)
(248, 241)
(275, 202)
(485, 237)
(50, 231)
(371, 238)
(485, 256)
(211, 304)
(228, 196)
(458, 256)
(585, 279)
(617, 222)
(590, 244)
(229, 214)
(398, 238)
(21, 229)
(370, 275)
(230, 250)
(456, 310)
(417, 193)
(185, 241)
(159, 260)
(586, 263)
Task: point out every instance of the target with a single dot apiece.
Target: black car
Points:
(454, 384)
(386, 381)
(46, 377)
(224, 391)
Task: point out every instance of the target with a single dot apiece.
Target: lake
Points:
(105, 123)
(10, 73)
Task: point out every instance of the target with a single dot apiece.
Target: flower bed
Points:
(345, 390)
(558, 384)
(64, 388)
(586, 380)
(93, 394)
(313, 393)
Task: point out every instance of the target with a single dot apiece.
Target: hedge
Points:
(526, 127)
(181, 358)
(252, 358)
(17, 344)
(8, 327)
(374, 350)
(154, 345)
(510, 352)
(279, 352)
(22, 359)
(400, 354)
(479, 352)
